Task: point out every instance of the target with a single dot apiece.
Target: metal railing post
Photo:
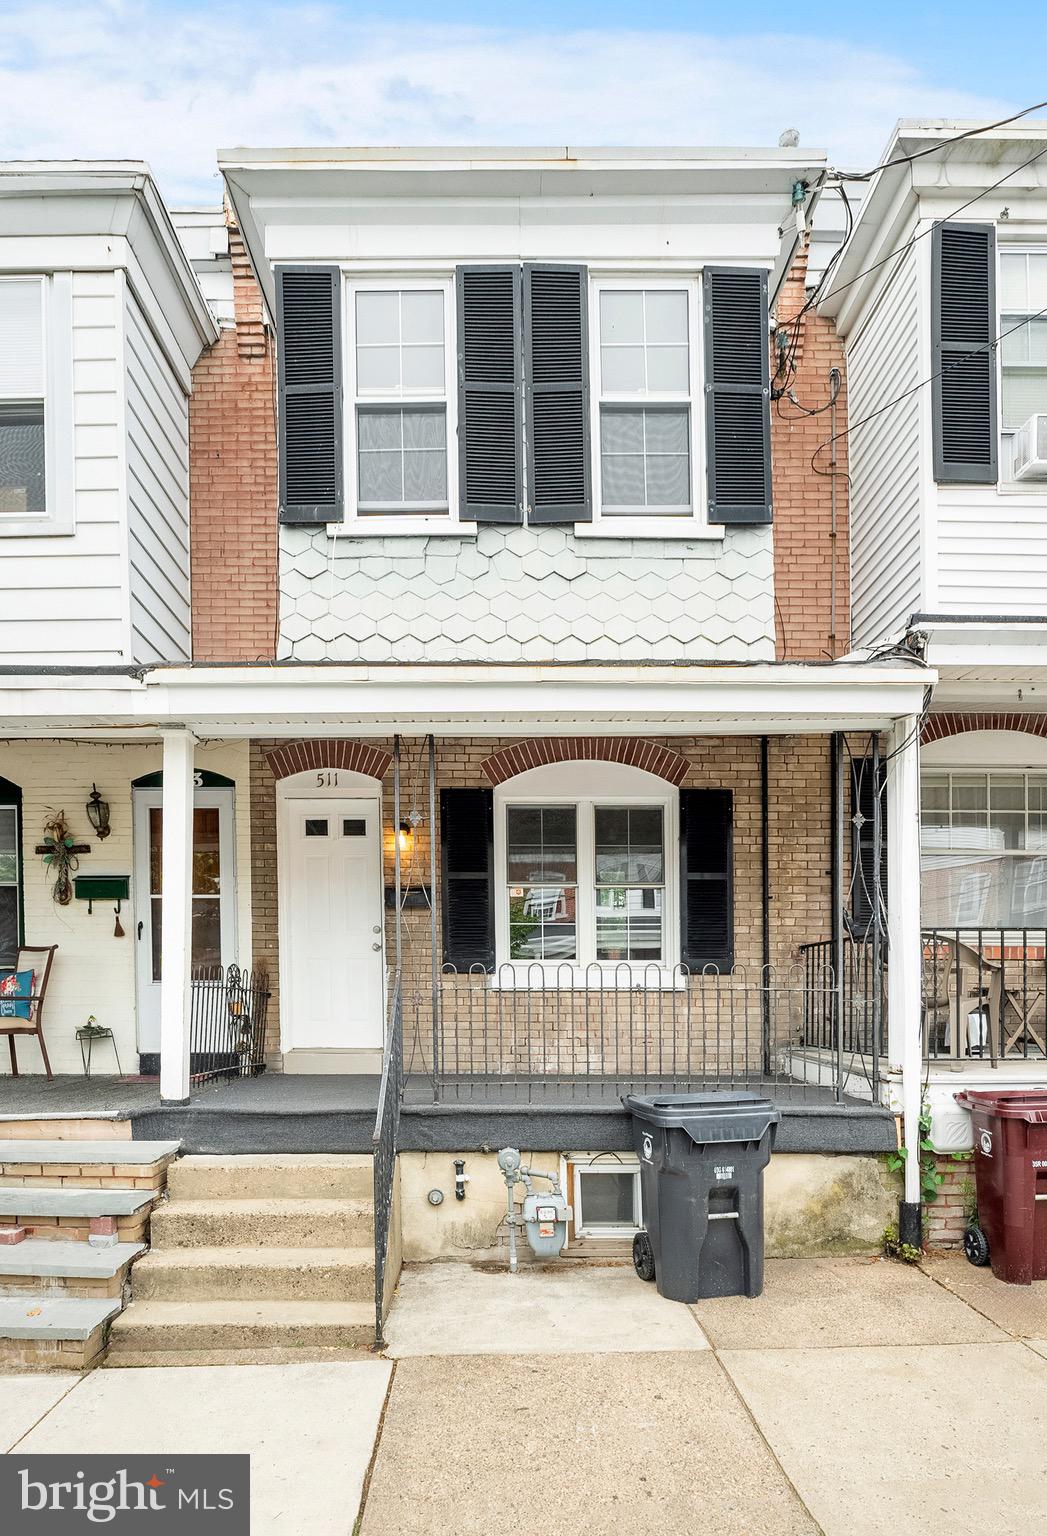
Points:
(434, 962)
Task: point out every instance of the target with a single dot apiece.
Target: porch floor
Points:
(335, 1113)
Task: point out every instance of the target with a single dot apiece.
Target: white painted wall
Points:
(157, 437)
(93, 971)
(883, 361)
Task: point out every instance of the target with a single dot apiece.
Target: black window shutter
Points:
(490, 394)
(863, 867)
(309, 379)
(706, 880)
(467, 867)
(556, 380)
(737, 394)
(963, 352)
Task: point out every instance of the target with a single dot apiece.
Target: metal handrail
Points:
(383, 1145)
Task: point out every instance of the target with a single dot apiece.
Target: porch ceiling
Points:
(493, 701)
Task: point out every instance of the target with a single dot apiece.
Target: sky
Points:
(171, 81)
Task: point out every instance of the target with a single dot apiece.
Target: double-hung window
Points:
(646, 383)
(401, 383)
(585, 883)
(23, 392)
(1023, 350)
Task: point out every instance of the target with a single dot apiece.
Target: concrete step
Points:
(72, 1200)
(46, 1257)
(83, 1153)
(271, 1223)
(163, 1328)
(277, 1175)
(255, 1274)
(54, 1317)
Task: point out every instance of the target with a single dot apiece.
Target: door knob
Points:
(376, 945)
(377, 928)
(140, 927)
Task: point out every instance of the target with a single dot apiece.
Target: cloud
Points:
(170, 84)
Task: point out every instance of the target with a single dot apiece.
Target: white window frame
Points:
(1028, 243)
(56, 319)
(586, 785)
(688, 525)
(975, 884)
(384, 525)
(601, 1164)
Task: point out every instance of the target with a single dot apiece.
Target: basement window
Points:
(606, 1196)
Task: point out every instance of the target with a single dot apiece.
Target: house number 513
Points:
(327, 779)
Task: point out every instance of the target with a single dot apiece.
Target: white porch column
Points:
(177, 915)
(904, 954)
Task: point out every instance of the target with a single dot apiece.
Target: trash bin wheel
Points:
(643, 1256)
(976, 1246)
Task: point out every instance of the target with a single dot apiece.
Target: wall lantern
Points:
(98, 814)
(405, 836)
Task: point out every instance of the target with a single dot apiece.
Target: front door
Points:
(214, 919)
(331, 989)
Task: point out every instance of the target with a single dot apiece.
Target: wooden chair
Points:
(37, 959)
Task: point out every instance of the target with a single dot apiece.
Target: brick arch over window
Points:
(353, 756)
(522, 755)
(937, 727)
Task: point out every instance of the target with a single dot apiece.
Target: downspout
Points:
(835, 379)
(435, 976)
(396, 848)
(836, 898)
(765, 885)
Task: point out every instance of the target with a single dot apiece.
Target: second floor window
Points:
(1023, 351)
(22, 399)
(401, 389)
(645, 373)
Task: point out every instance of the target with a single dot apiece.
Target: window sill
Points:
(34, 527)
(678, 529)
(564, 977)
(401, 528)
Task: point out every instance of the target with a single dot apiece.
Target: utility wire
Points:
(955, 361)
(957, 138)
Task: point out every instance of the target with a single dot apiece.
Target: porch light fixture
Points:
(405, 835)
(98, 814)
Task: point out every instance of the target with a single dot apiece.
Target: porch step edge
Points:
(84, 1153)
(54, 1317)
(51, 1257)
(73, 1200)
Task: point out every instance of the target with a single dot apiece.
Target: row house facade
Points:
(434, 565)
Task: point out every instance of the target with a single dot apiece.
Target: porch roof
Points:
(287, 699)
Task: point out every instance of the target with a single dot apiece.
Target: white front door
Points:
(331, 980)
(214, 884)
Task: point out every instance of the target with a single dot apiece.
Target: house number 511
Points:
(326, 779)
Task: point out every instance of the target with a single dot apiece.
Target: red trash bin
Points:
(1010, 1170)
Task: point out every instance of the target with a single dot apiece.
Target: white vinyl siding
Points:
(885, 461)
(157, 496)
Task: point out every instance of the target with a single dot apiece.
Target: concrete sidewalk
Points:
(854, 1398)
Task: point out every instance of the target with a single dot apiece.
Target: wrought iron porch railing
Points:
(860, 1002)
(384, 1140)
(227, 1029)
(985, 994)
(562, 1032)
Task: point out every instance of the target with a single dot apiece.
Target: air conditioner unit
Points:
(1030, 449)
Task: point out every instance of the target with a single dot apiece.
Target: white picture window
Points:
(586, 882)
(401, 385)
(1023, 350)
(645, 365)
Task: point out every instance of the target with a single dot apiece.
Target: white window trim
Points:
(599, 1164)
(559, 784)
(691, 525)
(398, 524)
(58, 518)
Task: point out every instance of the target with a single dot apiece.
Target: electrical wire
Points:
(957, 138)
(955, 361)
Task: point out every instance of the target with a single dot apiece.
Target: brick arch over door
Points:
(937, 727)
(522, 755)
(353, 756)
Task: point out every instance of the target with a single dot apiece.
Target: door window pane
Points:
(315, 826)
(207, 884)
(542, 864)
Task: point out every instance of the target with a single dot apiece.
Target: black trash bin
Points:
(702, 1157)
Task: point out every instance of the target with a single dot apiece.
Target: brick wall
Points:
(805, 552)
(233, 483)
(799, 869)
(945, 1219)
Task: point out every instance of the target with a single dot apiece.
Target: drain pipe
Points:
(765, 883)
